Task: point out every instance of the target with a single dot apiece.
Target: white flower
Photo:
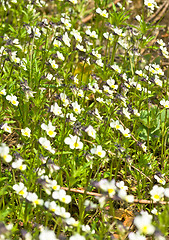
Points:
(56, 43)
(160, 180)
(18, 164)
(116, 68)
(121, 185)
(47, 234)
(166, 192)
(64, 99)
(66, 39)
(32, 197)
(107, 186)
(108, 36)
(26, 132)
(99, 62)
(76, 34)
(36, 32)
(61, 196)
(91, 131)
(111, 83)
(136, 236)
(4, 153)
(12, 99)
(151, 4)
(98, 151)
(56, 110)
(73, 142)
(157, 193)
(143, 223)
(76, 107)
(71, 117)
(73, 1)
(77, 236)
(3, 92)
(96, 54)
(66, 22)
(126, 132)
(51, 206)
(46, 144)
(60, 56)
(80, 47)
(20, 189)
(164, 103)
(6, 128)
(103, 13)
(116, 125)
(50, 129)
(53, 63)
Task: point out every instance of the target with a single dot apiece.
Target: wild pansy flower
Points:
(126, 132)
(111, 83)
(116, 68)
(66, 39)
(33, 198)
(99, 62)
(6, 128)
(91, 131)
(98, 151)
(108, 36)
(50, 129)
(4, 153)
(103, 13)
(3, 92)
(76, 107)
(92, 34)
(47, 234)
(143, 223)
(151, 4)
(136, 236)
(157, 193)
(160, 179)
(116, 125)
(80, 47)
(60, 56)
(107, 186)
(73, 142)
(46, 144)
(19, 164)
(77, 236)
(53, 63)
(26, 132)
(164, 103)
(66, 22)
(57, 43)
(77, 35)
(14, 58)
(56, 110)
(61, 196)
(12, 99)
(20, 189)
(73, 1)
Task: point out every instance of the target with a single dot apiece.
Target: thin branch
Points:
(114, 198)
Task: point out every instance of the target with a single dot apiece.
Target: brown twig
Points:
(140, 201)
(89, 17)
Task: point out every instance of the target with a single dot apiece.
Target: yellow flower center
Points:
(50, 132)
(156, 196)
(76, 144)
(21, 192)
(110, 190)
(13, 102)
